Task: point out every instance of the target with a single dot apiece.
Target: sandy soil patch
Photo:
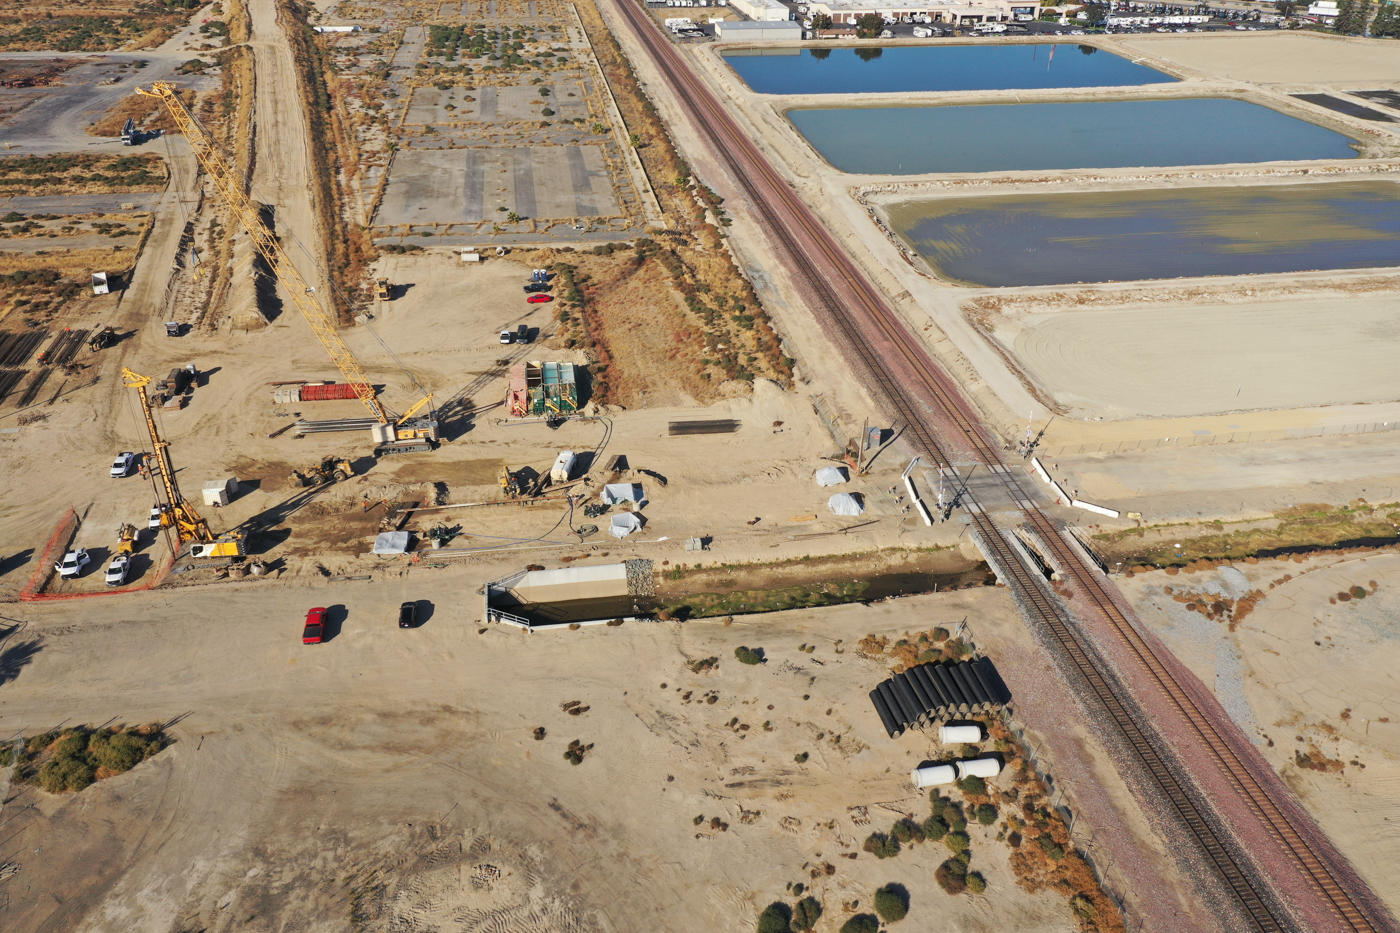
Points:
(1175, 361)
(1276, 59)
(392, 779)
(1311, 676)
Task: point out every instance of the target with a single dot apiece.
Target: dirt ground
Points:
(1310, 676)
(1277, 58)
(1271, 354)
(390, 779)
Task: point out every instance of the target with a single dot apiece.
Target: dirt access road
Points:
(281, 168)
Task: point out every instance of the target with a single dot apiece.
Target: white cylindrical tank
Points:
(979, 767)
(563, 465)
(933, 775)
(950, 735)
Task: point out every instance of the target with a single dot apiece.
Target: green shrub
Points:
(1083, 907)
(901, 831)
(861, 923)
(940, 634)
(806, 914)
(892, 902)
(749, 655)
(70, 746)
(935, 828)
(986, 814)
(1051, 847)
(957, 841)
(800, 758)
(775, 918)
(61, 774)
(976, 883)
(973, 786)
(881, 846)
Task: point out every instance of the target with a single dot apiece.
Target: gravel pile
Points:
(641, 578)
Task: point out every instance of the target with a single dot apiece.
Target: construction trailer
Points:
(100, 285)
(220, 492)
(539, 389)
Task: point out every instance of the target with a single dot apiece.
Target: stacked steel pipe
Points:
(932, 693)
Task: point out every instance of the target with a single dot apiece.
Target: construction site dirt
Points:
(723, 750)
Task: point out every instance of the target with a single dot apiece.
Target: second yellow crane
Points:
(394, 433)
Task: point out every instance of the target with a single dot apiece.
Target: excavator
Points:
(177, 513)
(392, 433)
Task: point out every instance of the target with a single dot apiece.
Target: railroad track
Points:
(829, 273)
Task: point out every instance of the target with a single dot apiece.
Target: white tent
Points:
(614, 493)
(391, 542)
(831, 476)
(624, 524)
(845, 503)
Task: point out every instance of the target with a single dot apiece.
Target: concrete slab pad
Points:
(468, 185)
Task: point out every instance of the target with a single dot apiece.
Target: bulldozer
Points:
(102, 338)
(327, 471)
(126, 539)
(383, 290)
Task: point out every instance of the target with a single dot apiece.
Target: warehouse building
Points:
(763, 11)
(956, 14)
(758, 32)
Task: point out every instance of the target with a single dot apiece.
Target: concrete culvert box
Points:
(933, 775)
(955, 735)
(979, 767)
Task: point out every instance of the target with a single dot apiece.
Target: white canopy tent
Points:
(624, 524)
(831, 476)
(614, 493)
(845, 503)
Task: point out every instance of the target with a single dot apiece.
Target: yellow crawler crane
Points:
(179, 514)
(301, 294)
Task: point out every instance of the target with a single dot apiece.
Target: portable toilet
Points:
(563, 465)
(218, 492)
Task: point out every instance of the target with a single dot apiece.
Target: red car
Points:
(315, 627)
(539, 299)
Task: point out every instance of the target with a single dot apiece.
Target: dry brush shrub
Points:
(881, 845)
(1314, 760)
(73, 759)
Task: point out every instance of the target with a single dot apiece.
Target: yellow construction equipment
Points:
(382, 290)
(221, 172)
(126, 539)
(327, 471)
(177, 513)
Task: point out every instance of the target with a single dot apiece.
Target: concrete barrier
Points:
(1098, 509)
(914, 493)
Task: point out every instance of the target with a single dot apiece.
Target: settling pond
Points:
(1061, 239)
(936, 68)
(1039, 137)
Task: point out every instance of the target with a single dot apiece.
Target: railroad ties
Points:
(714, 426)
(931, 693)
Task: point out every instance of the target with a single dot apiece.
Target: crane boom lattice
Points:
(302, 295)
(186, 521)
